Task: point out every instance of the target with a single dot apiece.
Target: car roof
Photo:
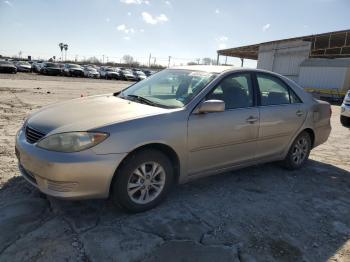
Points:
(207, 68)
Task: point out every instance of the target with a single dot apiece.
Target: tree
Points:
(65, 46)
(128, 59)
(191, 63)
(61, 47)
(206, 61)
(92, 60)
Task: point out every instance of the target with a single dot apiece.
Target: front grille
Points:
(33, 135)
(61, 186)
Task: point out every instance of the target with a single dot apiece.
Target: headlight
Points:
(72, 142)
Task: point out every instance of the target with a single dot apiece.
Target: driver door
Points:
(224, 139)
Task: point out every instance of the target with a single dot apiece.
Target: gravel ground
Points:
(261, 213)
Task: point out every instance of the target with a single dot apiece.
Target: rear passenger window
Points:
(274, 92)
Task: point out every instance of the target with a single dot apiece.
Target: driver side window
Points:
(235, 90)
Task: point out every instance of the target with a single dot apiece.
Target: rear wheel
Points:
(142, 181)
(345, 121)
(299, 152)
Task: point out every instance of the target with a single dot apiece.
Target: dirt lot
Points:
(262, 213)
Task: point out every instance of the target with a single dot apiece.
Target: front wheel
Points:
(299, 152)
(345, 121)
(142, 181)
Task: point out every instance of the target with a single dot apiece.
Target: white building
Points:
(319, 63)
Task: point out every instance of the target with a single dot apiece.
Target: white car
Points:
(345, 111)
(91, 72)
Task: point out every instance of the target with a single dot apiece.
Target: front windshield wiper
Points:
(142, 100)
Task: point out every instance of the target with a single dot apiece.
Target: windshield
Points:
(51, 65)
(73, 66)
(5, 63)
(172, 88)
(23, 63)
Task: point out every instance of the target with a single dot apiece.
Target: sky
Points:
(183, 29)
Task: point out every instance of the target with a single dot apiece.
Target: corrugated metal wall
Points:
(284, 58)
(323, 77)
(287, 59)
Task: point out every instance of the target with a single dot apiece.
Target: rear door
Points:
(282, 113)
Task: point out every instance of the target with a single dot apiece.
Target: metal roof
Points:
(327, 45)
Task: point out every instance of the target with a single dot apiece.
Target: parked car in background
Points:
(148, 72)
(91, 72)
(127, 75)
(23, 66)
(7, 67)
(36, 66)
(345, 111)
(140, 75)
(109, 73)
(49, 68)
(73, 70)
(135, 144)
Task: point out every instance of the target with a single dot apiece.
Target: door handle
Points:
(252, 119)
(299, 113)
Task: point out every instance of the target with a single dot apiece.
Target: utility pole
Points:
(169, 61)
(155, 59)
(103, 59)
(149, 60)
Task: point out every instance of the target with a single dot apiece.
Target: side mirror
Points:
(211, 106)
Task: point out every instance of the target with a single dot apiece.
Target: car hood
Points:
(88, 113)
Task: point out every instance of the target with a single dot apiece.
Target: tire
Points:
(129, 175)
(345, 121)
(299, 152)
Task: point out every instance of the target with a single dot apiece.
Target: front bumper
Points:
(345, 110)
(81, 175)
(76, 73)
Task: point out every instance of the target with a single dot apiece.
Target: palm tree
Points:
(61, 47)
(65, 46)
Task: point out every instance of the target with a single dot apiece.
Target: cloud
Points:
(153, 20)
(222, 40)
(107, 19)
(8, 3)
(126, 38)
(135, 2)
(266, 27)
(129, 13)
(168, 3)
(142, 30)
(217, 11)
(123, 28)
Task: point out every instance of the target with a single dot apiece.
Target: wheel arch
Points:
(311, 134)
(165, 149)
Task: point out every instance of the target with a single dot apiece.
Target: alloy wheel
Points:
(300, 150)
(146, 182)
